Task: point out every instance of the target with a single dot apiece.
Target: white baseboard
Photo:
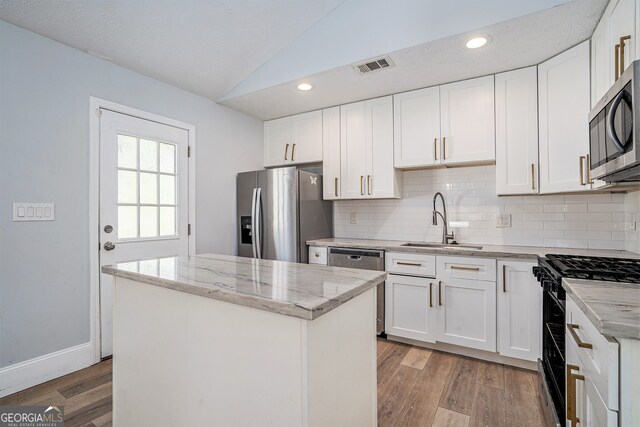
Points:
(20, 376)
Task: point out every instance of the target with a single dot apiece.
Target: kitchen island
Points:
(229, 341)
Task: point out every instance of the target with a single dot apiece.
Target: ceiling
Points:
(251, 54)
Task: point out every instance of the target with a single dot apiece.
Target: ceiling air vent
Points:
(374, 65)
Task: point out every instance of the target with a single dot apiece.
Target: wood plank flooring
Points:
(416, 387)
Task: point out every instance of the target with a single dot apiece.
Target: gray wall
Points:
(44, 151)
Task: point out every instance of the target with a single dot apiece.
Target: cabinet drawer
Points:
(454, 267)
(599, 354)
(317, 255)
(413, 264)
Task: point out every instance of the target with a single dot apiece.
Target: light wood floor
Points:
(416, 387)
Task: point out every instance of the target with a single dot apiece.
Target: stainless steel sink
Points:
(441, 246)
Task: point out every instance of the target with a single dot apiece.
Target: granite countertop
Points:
(299, 290)
(612, 307)
(530, 253)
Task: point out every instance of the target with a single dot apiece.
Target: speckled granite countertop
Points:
(613, 308)
(529, 253)
(298, 290)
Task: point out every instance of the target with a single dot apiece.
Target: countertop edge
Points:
(248, 300)
(608, 328)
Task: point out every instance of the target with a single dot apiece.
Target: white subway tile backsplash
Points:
(597, 221)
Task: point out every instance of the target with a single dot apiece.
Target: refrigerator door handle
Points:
(253, 222)
(258, 226)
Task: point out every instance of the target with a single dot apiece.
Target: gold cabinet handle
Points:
(335, 185)
(504, 278)
(435, 148)
(623, 39)
(588, 166)
(286, 151)
(572, 330)
(617, 62)
(582, 170)
(369, 184)
(430, 294)
(533, 177)
(440, 293)
(444, 148)
(293, 152)
(456, 267)
(412, 264)
(571, 392)
(361, 185)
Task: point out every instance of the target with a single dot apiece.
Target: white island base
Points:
(186, 360)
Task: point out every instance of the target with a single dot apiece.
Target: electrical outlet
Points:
(503, 220)
(353, 218)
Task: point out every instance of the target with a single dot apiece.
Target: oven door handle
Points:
(623, 95)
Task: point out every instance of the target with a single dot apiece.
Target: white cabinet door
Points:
(331, 153)
(517, 132)
(467, 121)
(410, 308)
(600, 61)
(353, 148)
(467, 313)
(277, 142)
(416, 117)
(519, 311)
(622, 31)
(563, 85)
(381, 177)
(306, 137)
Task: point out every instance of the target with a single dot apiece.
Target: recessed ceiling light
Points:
(305, 86)
(476, 42)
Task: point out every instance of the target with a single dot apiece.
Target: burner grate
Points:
(597, 268)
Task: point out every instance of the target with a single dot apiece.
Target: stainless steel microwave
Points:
(614, 126)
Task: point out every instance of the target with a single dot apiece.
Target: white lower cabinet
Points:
(467, 313)
(519, 298)
(410, 310)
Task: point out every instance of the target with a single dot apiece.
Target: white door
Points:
(416, 117)
(467, 121)
(144, 199)
(517, 132)
(331, 153)
(600, 62)
(306, 137)
(519, 311)
(563, 85)
(622, 32)
(381, 175)
(410, 307)
(353, 146)
(277, 142)
(467, 313)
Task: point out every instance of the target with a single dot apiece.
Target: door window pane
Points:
(127, 187)
(127, 152)
(148, 221)
(148, 155)
(167, 158)
(127, 222)
(148, 188)
(167, 221)
(167, 189)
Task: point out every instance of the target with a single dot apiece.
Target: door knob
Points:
(108, 228)
(109, 246)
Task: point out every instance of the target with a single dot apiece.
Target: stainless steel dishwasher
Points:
(365, 260)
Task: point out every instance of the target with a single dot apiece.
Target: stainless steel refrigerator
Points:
(278, 211)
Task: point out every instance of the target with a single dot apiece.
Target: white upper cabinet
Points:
(331, 153)
(600, 62)
(417, 128)
(367, 150)
(564, 104)
(293, 140)
(517, 132)
(621, 17)
(467, 121)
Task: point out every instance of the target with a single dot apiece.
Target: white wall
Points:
(44, 145)
(579, 221)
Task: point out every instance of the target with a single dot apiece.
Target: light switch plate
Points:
(503, 220)
(34, 212)
(353, 219)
